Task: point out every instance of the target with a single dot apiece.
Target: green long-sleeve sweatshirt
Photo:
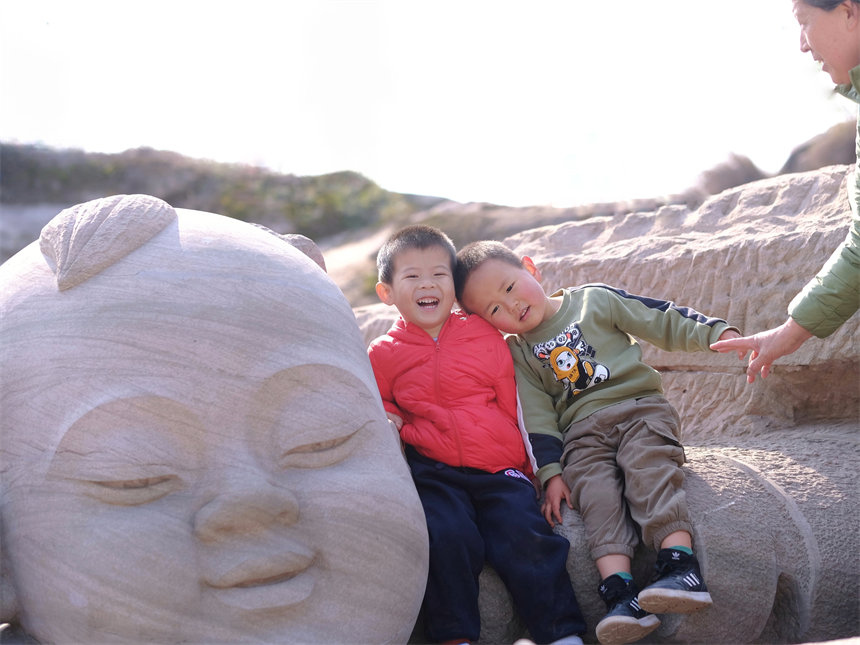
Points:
(585, 358)
(833, 296)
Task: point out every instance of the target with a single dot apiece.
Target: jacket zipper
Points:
(452, 421)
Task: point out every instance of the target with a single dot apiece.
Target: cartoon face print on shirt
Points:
(571, 360)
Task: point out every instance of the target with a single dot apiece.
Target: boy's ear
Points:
(531, 267)
(383, 291)
(853, 12)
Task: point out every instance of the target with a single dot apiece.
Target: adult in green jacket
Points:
(830, 31)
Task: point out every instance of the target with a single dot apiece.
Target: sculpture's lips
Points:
(267, 583)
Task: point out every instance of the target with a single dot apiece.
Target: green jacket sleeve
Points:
(665, 324)
(833, 295)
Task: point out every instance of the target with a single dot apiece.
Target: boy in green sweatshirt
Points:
(605, 440)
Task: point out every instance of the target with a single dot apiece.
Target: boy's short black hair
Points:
(416, 236)
(473, 255)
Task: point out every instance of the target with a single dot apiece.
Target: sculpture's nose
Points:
(243, 508)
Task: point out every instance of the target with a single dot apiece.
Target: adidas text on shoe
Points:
(678, 586)
(626, 621)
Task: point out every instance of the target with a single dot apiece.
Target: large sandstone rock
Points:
(192, 448)
(772, 466)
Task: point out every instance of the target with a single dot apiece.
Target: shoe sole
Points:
(618, 630)
(673, 601)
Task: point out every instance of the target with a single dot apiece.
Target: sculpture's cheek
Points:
(74, 557)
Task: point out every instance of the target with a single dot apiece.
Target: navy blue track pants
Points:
(475, 517)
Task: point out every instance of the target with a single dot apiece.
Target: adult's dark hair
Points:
(473, 255)
(416, 236)
(827, 5)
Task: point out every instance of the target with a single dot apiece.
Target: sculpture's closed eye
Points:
(143, 482)
(132, 492)
(319, 454)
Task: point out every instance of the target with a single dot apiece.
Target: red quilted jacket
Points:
(457, 396)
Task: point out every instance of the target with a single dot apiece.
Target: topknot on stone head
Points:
(83, 240)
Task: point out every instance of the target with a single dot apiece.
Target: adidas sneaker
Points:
(678, 586)
(626, 621)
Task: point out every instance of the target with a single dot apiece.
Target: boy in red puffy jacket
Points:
(447, 383)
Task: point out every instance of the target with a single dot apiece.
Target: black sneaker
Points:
(625, 622)
(678, 586)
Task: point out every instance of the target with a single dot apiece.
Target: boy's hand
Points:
(726, 343)
(722, 346)
(729, 333)
(396, 423)
(556, 490)
(395, 420)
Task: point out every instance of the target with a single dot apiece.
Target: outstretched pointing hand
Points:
(766, 346)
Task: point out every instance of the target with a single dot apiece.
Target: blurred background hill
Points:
(312, 206)
(347, 214)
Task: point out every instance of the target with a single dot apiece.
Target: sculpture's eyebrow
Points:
(288, 404)
(136, 430)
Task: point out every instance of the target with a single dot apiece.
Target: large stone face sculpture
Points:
(192, 448)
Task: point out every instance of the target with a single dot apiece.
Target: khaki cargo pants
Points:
(623, 466)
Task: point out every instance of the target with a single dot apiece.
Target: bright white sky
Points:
(513, 102)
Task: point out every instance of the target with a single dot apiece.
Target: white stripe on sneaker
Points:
(691, 579)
